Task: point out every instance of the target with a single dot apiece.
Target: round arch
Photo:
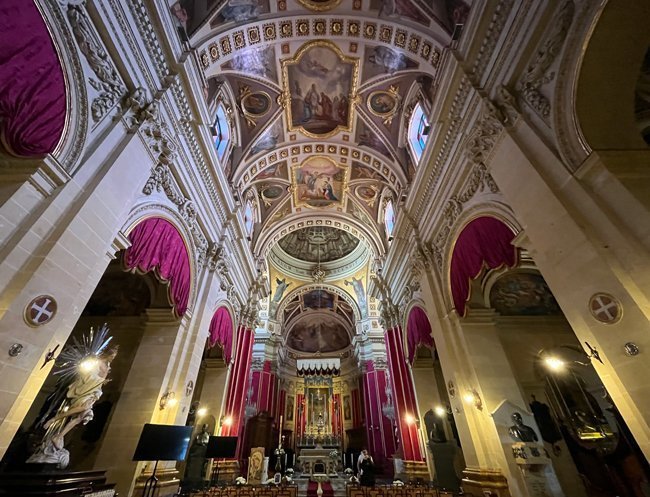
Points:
(222, 330)
(417, 329)
(321, 286)
(483, 240)
(271, 235)
(151, 211)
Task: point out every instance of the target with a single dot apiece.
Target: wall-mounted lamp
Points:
(225, 421)
(168, 400)
(409, 418)
(473, 398)
(202, 411)
(554, 364)
(440, 411)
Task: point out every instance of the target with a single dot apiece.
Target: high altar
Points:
(320, 443)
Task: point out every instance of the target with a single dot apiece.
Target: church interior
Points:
(307, 248)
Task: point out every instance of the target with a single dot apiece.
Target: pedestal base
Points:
(45, 481)
(487, 482)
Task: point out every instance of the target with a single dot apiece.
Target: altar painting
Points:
(320, 89)
(318, 182)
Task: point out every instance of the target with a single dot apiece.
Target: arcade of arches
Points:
(419, 227)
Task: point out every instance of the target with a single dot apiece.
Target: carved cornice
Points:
(484, 134)
(537, 73)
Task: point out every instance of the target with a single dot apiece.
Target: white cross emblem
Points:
(604, 308)
(40, 310)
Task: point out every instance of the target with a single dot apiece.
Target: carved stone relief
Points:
(107, 82)
(537, 73)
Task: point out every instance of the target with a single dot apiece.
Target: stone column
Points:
(491, 394)
(584, 245)
(60, 246)
(140, 399)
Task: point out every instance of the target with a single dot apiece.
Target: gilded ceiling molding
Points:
(420, 45)
(538, 72)
(341, 153)
(269, 237)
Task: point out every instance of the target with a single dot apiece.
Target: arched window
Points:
(418, 131)
(221, 132)
(389, 218)
(249, 218)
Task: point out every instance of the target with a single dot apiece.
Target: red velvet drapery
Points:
(156, 244)
(221, 332)
(485, 241)
(418, 331)
(32, 88)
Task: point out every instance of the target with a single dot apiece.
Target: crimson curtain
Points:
(32, 88)
(221, 332)
(484, 242)
(157, 245)
(418, 331)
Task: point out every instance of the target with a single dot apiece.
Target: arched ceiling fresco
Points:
(321, 93)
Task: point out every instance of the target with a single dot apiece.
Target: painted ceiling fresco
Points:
(321, 92)
(323, 244)
(523, 294)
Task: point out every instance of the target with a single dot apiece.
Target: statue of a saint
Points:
(85, 366)
(520, 431)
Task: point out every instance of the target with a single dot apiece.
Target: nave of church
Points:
(307, 248)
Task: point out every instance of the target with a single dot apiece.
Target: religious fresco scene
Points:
(324, 248)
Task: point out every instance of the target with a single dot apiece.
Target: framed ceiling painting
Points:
(254, 104)
(319, 89)
(319, 5)
(318, 182)
(384, 104)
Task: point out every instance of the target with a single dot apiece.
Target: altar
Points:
(318, 461)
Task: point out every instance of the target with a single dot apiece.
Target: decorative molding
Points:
(484, 133)
(480, 179)
(492, 35)
(537, 74)
(162, 179)
(108, 83)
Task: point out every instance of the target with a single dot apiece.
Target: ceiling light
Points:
(555, 364)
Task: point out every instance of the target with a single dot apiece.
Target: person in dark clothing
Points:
(366, 469)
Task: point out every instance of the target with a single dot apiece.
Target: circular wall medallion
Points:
(605, 308)
(40, 310)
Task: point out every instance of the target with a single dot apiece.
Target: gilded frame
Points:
(298, 202)
(319, 6)
(388, 115)
(353, 98)
(251, 117)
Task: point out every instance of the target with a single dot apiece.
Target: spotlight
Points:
(473, 398)
(167, 400)
(88, 364)
(440, 411)
(554, 363)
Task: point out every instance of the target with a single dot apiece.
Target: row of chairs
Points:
(249, 491)
(407, 490)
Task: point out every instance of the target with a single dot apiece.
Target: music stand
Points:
(220, 448)
(161, 443)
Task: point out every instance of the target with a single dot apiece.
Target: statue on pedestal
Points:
(521, 432)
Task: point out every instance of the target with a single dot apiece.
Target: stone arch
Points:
(74, 126)
(413, 341)
(602, 86)
(321, 286)
(481, 241)
(166, 214)
(227, 308)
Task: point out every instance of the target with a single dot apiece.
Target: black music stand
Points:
(161, 443)
(220, 448)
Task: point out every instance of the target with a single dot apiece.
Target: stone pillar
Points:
(491, 394)
(140, 399)
(379, 429)
(60, 246)
(583, 245)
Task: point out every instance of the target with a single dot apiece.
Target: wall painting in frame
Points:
(319, 89)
